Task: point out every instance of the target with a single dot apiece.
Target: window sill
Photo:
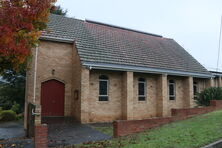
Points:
(103, 102)
(141, 102)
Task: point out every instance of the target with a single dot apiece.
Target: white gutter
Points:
(118, 67)
(216, 74)
(35, 75)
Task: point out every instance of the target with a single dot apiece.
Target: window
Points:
(195, 88)
(172, 90)
(103, 88)
(141, 89)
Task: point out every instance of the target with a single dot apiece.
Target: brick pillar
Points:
(188, 95)
(210, 83)
(25, 116)
(162, 96)
(84, 95)
(41, 136)
(116, 129)
(219, 82)
(127, 104)
(38, 118)
(41, 130)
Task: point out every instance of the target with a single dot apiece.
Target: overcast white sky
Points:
(194, 24)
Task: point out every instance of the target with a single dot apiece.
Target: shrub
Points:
(14, 88)
(212, 93)
(19, 116)
(7, 115)
(16, 108)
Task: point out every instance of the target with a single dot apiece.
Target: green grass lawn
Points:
(106, 130)
(191, 133)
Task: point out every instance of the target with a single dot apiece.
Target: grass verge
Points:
(191, 133)
(106, 130)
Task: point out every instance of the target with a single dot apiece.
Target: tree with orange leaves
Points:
(21, 22)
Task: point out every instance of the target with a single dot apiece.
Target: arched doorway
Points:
(52, 98)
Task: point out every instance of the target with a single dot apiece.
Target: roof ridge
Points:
(62, 16)
(124, 28)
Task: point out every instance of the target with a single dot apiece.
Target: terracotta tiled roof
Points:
(100, 43)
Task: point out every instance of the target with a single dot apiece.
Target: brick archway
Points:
(52, 98)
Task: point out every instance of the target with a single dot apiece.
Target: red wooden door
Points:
(52, 98)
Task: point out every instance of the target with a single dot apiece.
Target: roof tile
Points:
(112, 45)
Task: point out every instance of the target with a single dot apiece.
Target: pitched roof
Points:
(112, 46)
(216, 73)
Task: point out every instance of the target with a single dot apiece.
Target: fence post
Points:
(30, 120)
(115, 129)
(41, 130)
(41, 136)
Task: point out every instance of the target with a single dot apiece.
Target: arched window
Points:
(141, 89)
(172, 90)
(103, 88)
(195, 89)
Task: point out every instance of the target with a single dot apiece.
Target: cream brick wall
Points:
(30, 79)
(202, 83)
(105, 111)
(210, 83)
(188, 92)
(127, 96)
(29, 86)
(147, 108)
(157, 102)
(157, 90)
(123, 88)
(217, 81)
(180, 96)
(76, 101)
(162, 96)
(57, 56)
(84, 95)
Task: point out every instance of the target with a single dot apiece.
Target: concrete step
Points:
(58, 120)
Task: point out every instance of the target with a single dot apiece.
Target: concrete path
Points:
(10, 130)
(75, 133)
(12, 133)
(217, 144)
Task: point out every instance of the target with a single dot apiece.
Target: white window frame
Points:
(145, 91)
(174, 90)
(107, 88)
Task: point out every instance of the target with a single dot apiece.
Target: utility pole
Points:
(218, 56)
